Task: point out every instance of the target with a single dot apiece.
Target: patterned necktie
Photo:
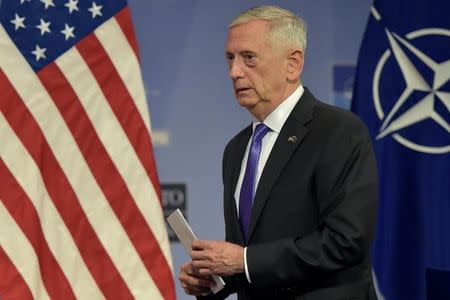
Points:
(248, 188)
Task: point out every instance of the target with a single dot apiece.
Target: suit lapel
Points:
(289, 139)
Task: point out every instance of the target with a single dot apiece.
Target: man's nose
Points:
(236, 70)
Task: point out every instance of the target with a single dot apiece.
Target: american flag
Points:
(80, 209)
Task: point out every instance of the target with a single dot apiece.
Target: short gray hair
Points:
(284, 26)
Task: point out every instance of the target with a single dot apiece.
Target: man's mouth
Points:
(238, 90)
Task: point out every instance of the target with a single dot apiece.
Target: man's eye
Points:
(249, 56)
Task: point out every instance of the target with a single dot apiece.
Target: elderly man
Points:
(300, 183)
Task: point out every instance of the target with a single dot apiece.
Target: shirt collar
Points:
(275, 120)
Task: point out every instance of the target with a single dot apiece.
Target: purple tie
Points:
(248, 188)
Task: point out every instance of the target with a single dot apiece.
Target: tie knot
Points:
(260, 131)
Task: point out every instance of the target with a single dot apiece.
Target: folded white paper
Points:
(184, 233)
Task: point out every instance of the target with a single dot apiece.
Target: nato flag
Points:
(402, 92)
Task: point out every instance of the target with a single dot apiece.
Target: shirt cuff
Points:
(247, 274)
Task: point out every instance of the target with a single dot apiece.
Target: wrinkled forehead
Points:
(249, 35)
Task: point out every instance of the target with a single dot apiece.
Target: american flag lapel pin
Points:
(292, 139)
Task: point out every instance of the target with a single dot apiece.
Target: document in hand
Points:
(184, 233)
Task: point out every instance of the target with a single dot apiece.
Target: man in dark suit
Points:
(300, 183)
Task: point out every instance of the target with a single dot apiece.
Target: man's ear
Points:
(295, 64)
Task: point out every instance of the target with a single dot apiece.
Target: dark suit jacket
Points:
(314, 212)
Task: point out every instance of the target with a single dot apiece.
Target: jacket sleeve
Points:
(346, 190)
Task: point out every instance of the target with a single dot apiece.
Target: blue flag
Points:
(402, 92)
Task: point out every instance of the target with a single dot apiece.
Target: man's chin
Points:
(246, 101)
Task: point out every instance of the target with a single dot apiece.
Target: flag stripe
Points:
(122, 104)
(98, 160)
(100, 215)
(95, 256)
(116, 47)
(25, 216)
(124, 20)
(25, 260)
(28, 174)
(36, 210)
(132, 178)
(113, 39)
(12, 285)
(135, 86)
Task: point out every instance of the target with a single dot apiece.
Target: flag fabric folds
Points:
(402, 92)
(80, 209)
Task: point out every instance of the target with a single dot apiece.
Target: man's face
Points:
(257, 68)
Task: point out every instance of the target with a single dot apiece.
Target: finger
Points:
(185, 267)
(190, 269)
(203, 245)
(205, 272)
(201, 264)
(199, 281)
(199, 254)
(195, 291)
(198, 244)
(195, 288)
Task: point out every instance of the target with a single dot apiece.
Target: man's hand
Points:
(192, 282)
(217, 257)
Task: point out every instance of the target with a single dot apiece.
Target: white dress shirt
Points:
(275, 121)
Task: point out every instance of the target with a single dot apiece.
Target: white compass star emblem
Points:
(415, 82)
